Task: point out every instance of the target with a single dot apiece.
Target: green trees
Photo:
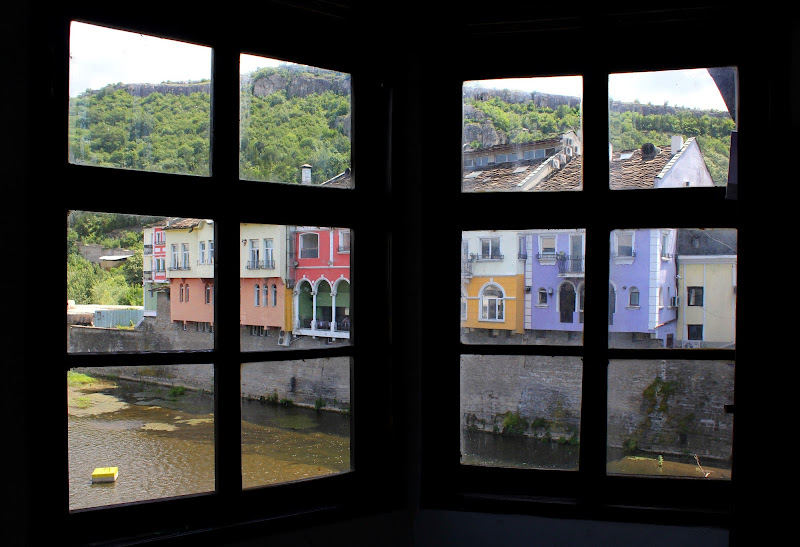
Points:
(304, 121)
(87, 283)
(629, 130)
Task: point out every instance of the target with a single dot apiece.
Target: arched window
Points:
(257, 295)
(187, 292)
(274, 295)
(266, 295)
(181, 292)
(208, 293)
(633, 297)
(492, 303)
(463, 304)
(542, 297)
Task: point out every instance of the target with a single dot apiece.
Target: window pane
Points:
(532, 296)
(151, 426)
(300, 289)
(522, 134)
(295, 123)
(671, 129)
(295, 420)
(668, 418)
(138, 102)
(520, 411)
(672, 288)
(139, 283)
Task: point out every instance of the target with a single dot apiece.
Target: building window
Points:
(695, 296)
(492, 303)
(633, 300)
(542, 297)
(201, 253)
(269, 254)
(208, 293)
(344, 241)
(274, 295)
(624, 244)
(256, 295)
(694, 332)
(490, 248)
(309, 245)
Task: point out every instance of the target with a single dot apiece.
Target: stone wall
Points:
(669, 407)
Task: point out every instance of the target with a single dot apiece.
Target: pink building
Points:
(321, 268)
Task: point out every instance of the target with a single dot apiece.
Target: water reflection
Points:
(163, 443)
(520, 451)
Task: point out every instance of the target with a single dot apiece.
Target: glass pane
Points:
(672, 288)
(295, 420)
(522, 134)
(139, 283)
(520, 411)
(522, 287)
(139, 433)
(668, 418)
(295, 123)
(138, 102)
(671, 129)
(295, 287)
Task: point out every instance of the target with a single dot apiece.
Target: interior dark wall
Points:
(404, 518)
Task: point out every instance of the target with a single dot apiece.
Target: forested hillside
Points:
(290, 116)
(87, 283)
(513, 119)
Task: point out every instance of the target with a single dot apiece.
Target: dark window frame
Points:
(589, 492)
(694, 296)
(229, 506)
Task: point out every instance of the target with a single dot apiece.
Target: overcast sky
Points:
(100, 56)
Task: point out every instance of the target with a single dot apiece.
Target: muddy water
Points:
(163, 444)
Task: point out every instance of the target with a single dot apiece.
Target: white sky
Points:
(692, 88)
(101, 56)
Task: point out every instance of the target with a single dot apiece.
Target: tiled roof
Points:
(568, 178)
(630, 170)
(499, 177)
(342, 180)
(512, 176)
(183, 223)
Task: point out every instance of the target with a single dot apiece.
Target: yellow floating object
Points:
(105, 474)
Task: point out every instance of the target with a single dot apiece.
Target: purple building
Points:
(642, 308)
(554, 285)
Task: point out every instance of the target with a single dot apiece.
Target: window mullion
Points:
(224, 171)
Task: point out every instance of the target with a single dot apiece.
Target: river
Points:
(162, 442)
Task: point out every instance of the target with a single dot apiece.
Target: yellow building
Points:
(492, 282)
(707, 289)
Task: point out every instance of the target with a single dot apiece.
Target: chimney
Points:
(677, 144)
(305, 171)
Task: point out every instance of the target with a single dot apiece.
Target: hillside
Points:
(290, 116)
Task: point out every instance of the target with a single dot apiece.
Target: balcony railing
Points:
(466, 267)
(260, 265)
(569, 264)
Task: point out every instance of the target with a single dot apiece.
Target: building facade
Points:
(492, 284)
(642, 289)
(190, 269)
(707, 265)
(319, 270)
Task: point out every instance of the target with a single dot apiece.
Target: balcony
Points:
(570, 265)
(260, 265)
(466, 267)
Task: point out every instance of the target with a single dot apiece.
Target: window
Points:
(492, 303)
(695, 296)
(201, 252)
(344, 241)
(208, 294)
(542, 297)
(624, 244)
(633, 297)
(256, 295)
(309, 246)
(490, 248)
(695, 332)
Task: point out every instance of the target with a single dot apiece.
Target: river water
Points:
(163, 443)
